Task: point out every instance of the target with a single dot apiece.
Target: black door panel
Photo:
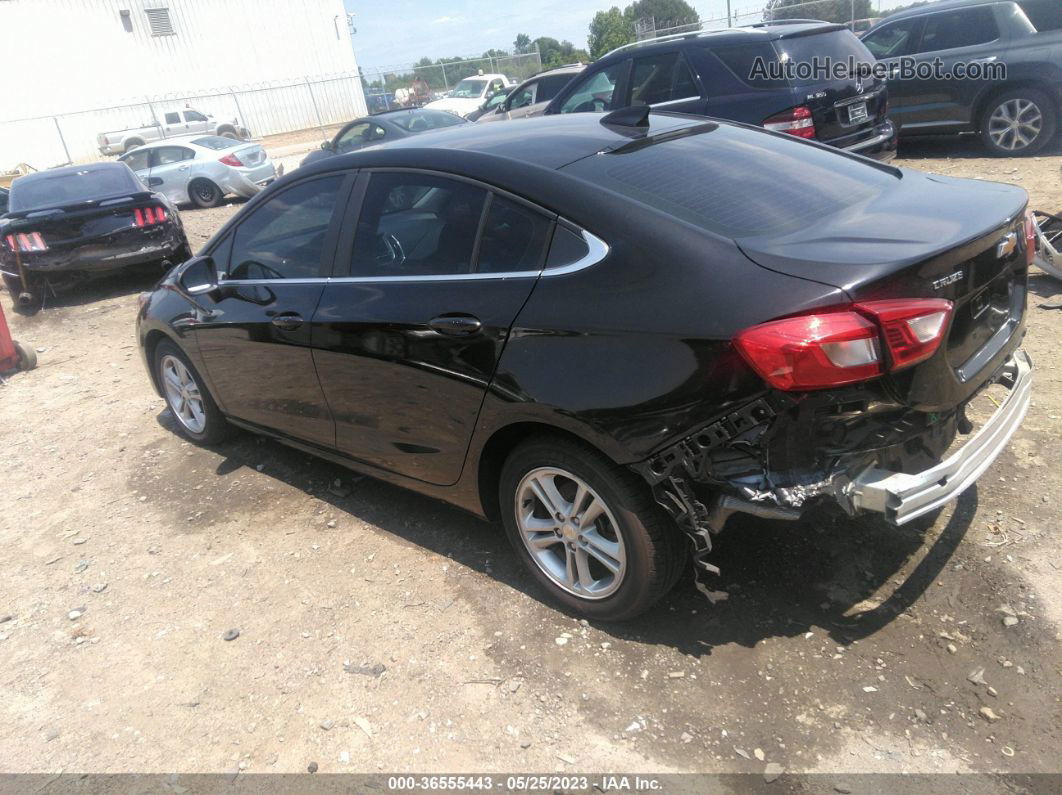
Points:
(253, 334)
(405, 395)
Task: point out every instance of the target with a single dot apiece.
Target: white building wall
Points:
(83, 63)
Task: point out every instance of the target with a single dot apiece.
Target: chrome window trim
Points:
(597, 250)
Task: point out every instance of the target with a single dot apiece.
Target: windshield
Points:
(423, 120)
(469, 89)
(216, 142)
(736, 182)
(43, 190)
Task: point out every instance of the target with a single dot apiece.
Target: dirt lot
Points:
(379, 630)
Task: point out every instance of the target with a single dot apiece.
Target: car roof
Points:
(759, 31)
(84, 168)
(544, 141)
(941, 5)
(182, 140)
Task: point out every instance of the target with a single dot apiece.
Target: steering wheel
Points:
(391, 251)
(595, 105)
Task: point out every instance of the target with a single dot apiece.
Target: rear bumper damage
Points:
(709, 476)
(902, 497)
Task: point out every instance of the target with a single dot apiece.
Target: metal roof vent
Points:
(159, 22)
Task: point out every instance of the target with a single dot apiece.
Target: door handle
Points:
(455, 325)
(289, 321)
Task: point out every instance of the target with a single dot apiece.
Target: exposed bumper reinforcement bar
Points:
(902, 497)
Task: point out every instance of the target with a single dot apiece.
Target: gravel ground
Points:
(379, 630)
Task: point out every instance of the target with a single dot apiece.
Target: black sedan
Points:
(612, 333)
(382, 128)
(67, 224)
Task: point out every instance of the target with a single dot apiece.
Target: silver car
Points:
(531, 97)
(202, 169)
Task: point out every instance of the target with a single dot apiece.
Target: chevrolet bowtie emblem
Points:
(1007, 245)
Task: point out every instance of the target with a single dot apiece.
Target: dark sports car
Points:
(67, 224)
(383, 127)
(612, 333)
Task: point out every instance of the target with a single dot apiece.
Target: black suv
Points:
(725, 73)
(1015, 114)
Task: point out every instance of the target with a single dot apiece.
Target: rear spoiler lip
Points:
(89, 204)
(796, 34)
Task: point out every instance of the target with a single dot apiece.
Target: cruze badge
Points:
(951, 278)
(1007, 245)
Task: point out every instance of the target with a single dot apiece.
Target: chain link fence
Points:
(405, 85)
(265, 109)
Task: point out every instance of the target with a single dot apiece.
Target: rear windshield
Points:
(217, 142)
(836, 46)
(736, 182)
(43, 190)
(424, 120)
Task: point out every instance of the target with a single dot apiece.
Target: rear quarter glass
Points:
(736, 182)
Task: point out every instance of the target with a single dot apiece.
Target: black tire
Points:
(204, 194)
(27, 357)
(14, 288)
(1000, 144)
(653, 545)
(215, 429)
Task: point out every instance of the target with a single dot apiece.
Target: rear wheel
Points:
(1018, 122)
(204, 193)
(588, 530)
(132, 144)
(198, 416)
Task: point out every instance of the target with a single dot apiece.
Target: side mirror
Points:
(199, 277)
(326, 146)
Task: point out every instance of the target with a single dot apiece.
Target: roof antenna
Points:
(631, 116)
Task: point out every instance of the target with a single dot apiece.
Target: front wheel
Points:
(1019, 122)
(588, 530)
(198, 416)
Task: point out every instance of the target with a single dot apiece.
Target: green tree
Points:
(609, 30)
(664, 13)
(522, 44)
(826, 10)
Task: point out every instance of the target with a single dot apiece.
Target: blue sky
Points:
(393, 32)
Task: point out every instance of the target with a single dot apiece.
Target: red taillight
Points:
(913, 328)
(830, 349)
(149, 216)
(231, 160)
(795, 121)
(26, 242)
(1030, 238)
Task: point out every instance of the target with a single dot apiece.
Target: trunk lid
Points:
(77, 223)
(251, 155)
(969, 250)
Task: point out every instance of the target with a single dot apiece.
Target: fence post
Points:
(729, 22)
(446, 83)
(62, 140)
(316, 110)
(239, 114)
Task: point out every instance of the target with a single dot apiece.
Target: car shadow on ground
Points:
(777, 578)
(960, 147)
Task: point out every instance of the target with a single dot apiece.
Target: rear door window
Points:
(964, 27)
(513, 238)
(661, 78)
(750, 63)
(417, 225)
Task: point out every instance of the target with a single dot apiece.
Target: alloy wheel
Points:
(570, 533)
(183, 394)
(1015, 124)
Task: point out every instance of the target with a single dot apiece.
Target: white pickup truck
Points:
(173, 123)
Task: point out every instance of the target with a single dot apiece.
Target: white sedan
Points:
(201, 169)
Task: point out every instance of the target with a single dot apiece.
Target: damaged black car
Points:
(612, 332)
(66, 225)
